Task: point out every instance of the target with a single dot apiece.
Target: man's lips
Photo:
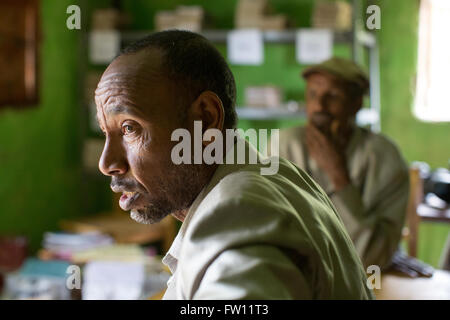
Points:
(128, 199)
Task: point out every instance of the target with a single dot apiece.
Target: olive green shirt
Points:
(250, 236)
(373, 206)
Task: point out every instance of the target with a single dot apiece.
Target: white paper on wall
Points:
(313, 45)
(245, 47)
(103, 46)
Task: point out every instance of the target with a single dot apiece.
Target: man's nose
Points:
(113, 160)
(324, 102)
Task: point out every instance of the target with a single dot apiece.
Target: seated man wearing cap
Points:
(363, 173)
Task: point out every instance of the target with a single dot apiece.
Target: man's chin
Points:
(145, 216)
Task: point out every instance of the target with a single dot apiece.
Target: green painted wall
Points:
(398, 56)
(40, 147)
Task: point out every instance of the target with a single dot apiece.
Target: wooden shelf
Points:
(270, 36)
(252, 113)
(363, 118)
(220, 36)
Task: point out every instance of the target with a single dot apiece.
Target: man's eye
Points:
(128, 129)
(335, 94)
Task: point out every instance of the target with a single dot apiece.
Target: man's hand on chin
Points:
(328, 156)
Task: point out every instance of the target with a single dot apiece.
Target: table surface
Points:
(395, 286)
(429, 213)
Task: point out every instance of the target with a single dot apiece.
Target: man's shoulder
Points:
(243, 209)
(292, 133)
(291, 144)
(246, 202)
(376, 139)
(380, 148)
(248, 182)
(247, 185)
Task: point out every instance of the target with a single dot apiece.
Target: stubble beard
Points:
(176, 192)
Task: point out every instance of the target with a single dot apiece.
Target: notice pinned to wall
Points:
(313, 46)
(245, 47)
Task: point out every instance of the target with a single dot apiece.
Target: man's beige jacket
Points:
(250, 236)
(373, 206)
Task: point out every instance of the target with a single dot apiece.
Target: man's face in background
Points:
(329, 104)
(137, 111)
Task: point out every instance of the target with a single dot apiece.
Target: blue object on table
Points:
(38, 268)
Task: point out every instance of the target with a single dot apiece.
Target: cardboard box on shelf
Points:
(190, 12)
(248, 22)
(257, 14)
(277, 22)
(252, 9)
(263, 96)
(109, 18)
(165, 20)
(332, 15)
(183, 17)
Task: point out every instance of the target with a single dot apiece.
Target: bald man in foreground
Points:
(244, 235)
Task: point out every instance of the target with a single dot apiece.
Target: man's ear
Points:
(209, 109)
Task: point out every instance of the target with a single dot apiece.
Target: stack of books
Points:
(63, 245)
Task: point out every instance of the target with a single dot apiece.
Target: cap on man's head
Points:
(343, 69)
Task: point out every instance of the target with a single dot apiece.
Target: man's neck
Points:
(182, 213)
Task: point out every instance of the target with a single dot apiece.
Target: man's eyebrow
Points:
(121, 109)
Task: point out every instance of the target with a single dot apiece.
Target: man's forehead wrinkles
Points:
(115, 95)
(115, 87)
(120, 104)
(127, 80)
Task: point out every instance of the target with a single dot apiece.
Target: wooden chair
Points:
(418, 211)
(411, 231)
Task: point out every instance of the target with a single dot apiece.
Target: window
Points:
(19, 32)
(432, 101)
